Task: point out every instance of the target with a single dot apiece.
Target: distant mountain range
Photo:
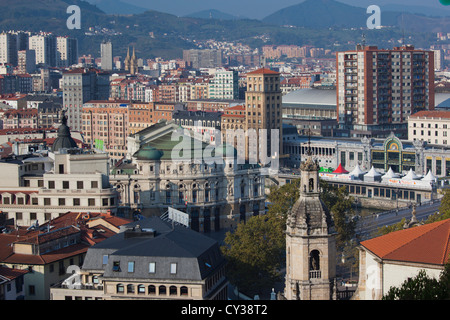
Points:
(214, 14)
(319, 14)
(117, 7)
(153, 33)
(259, 9)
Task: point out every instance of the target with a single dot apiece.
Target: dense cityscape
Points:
(225, 169)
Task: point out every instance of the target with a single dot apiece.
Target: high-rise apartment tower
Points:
(377, 89)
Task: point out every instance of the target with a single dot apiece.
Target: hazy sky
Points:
(256, 9)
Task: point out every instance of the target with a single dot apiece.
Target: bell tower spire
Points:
(310, 242)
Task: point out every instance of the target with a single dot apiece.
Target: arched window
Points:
(183, 291)
(314, 264)
(119, 288)
(130, 288)
(141, 289)
(151, 289)
(173, 291)
(311, 184)
(162, 290)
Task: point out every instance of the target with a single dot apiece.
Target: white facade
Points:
(45, 47)
(378, 276)
(42, 188)
(11, 289)
(432, 127)
(224, 85)
(8, 48)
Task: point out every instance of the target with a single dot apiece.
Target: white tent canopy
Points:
(411, 175)
(391, 174)
(357, 171)
(372, 173)
(429, 177)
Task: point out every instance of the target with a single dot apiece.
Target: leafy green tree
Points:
(282, 198)
(390, 228)
(340, 204)
(255, 252)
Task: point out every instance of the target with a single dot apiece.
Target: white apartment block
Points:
(8, 48)
(66, 51)
(432, 127)
(224, 85)
(40, 188)
(45, 47)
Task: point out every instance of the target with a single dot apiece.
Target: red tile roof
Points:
(237, 107)
(429, 243)
(63, 253)
(10, 273)
(263, 71)
(69, 223)
(431, 114)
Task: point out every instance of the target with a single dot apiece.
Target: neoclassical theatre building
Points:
(156, 175)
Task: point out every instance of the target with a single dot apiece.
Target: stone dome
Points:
(64, 139)
(148, 153)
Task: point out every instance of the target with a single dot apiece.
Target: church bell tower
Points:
(310, 242)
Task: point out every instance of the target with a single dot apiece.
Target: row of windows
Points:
(152, 290)
(77, 202)
(380, 192)
(436, 126)
(66, 184)
(131, 266)
(32, 215)
(436, 133)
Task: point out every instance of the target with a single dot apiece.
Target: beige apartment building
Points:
(263, 108)
(108, 123)
(432, 127)
(105, 125)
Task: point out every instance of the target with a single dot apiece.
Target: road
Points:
(367, 226)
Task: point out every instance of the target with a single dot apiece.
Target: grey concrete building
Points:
(106, 50)
(79, 86)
